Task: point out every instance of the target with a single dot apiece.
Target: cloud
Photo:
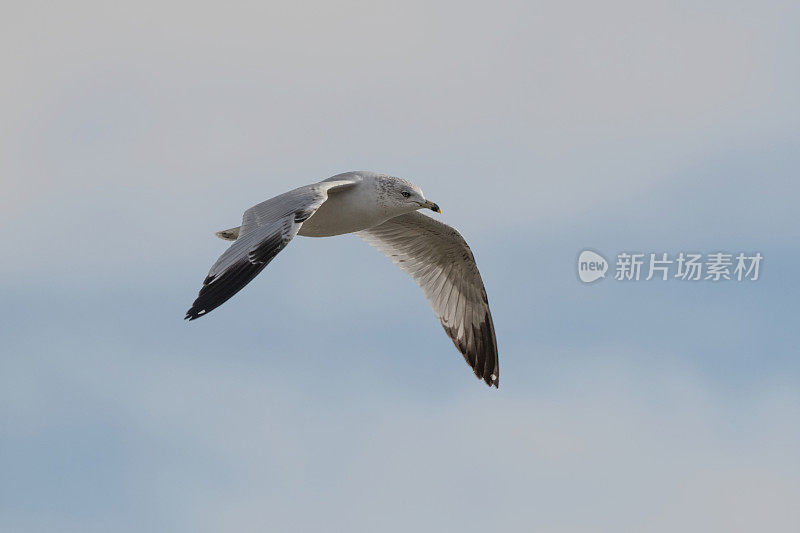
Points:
(233, 445)
(569, 105)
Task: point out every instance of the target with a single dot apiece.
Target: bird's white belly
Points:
(341, 213)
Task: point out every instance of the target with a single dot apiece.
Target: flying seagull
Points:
(382, 210)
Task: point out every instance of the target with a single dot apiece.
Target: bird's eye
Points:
(405, 194)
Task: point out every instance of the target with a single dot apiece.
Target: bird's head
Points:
(405, 197)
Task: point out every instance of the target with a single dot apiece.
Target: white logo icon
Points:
(591, 266)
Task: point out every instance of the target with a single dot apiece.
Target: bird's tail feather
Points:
(229, 234)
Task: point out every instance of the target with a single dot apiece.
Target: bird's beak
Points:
(432, 206)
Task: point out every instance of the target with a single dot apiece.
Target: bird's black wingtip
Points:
(194, 314)
(492, 380)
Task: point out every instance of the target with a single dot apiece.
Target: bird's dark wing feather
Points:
(266, 230)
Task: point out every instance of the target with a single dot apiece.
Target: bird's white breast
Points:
(346, 211)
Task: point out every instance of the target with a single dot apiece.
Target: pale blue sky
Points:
(325, 396)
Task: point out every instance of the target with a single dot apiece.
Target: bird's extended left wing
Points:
(266, 230)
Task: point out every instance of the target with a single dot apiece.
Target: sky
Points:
(325, 396)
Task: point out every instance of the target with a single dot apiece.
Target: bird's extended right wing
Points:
(439, 260)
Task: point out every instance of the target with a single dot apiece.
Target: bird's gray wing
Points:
(266, 230)
(440, 261)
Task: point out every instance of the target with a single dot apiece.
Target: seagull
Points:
(382, 210)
